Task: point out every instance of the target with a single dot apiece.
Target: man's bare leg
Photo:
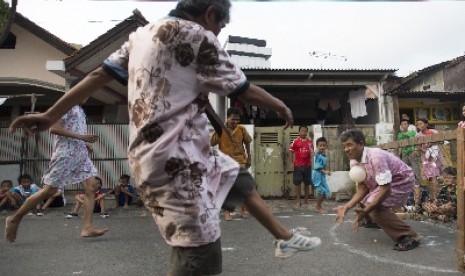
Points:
(257, 207)
(88, 230)
(12, 222)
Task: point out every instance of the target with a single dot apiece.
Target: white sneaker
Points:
(298, 242)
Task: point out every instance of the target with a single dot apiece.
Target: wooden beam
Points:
(460, 198)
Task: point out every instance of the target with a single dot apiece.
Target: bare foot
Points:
(320, 210)
(11, 229)
(93, 232)
(245, 214)
(126, 207)
(227, 216)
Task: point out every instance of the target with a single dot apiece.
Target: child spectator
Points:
(431, 160)
(99, 205)
(124, 192)
(446, 202)
(6, 200)
(55, 200)
(301, 152)
(410, 156)
(24, 190)
(320, 173)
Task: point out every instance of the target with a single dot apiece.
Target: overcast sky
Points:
(358, 35)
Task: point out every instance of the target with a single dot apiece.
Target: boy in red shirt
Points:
(302, 152)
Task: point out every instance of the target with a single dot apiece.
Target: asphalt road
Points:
(51, 245)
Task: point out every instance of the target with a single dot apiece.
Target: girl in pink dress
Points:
(431, 158)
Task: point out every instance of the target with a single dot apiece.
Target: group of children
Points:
(12, 197)
(302, 154)
(426, 161)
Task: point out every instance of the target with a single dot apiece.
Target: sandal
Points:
(406, 243)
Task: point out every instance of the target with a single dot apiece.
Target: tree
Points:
(4, 9)
(7, 16)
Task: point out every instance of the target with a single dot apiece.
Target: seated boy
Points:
(55, 200)
(24, 190)
(445, 205)
(6, 200)
(124, 192)
(99, 206)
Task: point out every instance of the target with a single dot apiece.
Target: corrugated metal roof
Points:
(408, 79)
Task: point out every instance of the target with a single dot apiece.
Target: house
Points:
(435, 92)
(25, 84)
(329, 100)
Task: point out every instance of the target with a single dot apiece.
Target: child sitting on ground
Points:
(445, 206)
(6, 200)
(99, 206)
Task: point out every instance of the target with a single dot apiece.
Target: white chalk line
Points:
(385, 260)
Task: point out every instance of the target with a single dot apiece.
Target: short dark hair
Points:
(7, 181)
(24, 176)
(450, 171)
(199, 7)
(321, 139)
(356, 135)
(233, 110)
(125, 176)
(300, 127)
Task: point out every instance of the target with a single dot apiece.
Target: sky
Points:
(406, 36)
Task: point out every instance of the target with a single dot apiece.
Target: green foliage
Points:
(4, 7)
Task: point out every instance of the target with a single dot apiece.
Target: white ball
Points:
(357, 174)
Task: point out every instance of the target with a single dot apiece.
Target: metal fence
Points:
(32, 154)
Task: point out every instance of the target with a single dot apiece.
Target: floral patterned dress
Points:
(70, 162)
(170, 68)
(431, 157)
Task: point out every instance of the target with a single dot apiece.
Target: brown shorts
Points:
(192, 261)
(241, 189)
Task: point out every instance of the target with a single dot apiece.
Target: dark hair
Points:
(405, 120)
(450, 171)
(233, 111)
(356, 135)
(424, 120)
(24, 176)
(199, 7)
(99, 180)
(7, 181)
(300, 127)
(321, 139)
(125, 176)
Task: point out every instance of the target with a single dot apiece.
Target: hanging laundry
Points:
(357, 103)
(372, 91)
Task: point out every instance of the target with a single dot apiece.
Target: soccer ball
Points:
(357, 174)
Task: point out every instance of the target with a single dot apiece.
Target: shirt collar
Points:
(364, 155)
